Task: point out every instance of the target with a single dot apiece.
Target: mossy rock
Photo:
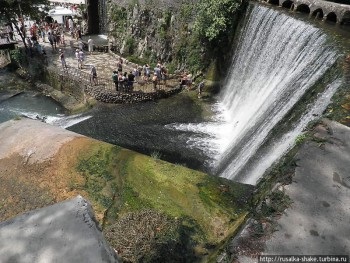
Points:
(124, 182)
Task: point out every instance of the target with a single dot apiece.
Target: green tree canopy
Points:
(214, 17)
(12, 10)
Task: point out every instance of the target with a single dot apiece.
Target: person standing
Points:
(80, 44)
(200, 89)
(63, 60)
(120, 65)
(157, 72)
(81, 58)
(71, 26)
(93, 75)
(115, 79)
(131, 80)
(90, 45)
(77, 57)
(50, 37)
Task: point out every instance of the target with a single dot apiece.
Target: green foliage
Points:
(96, 170)
(118, 16)
(186, 12)
(17, 56)
(11, 9)
(214, 17)
(301, 138)
(130, 45)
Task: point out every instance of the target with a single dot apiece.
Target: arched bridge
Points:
(339, 13)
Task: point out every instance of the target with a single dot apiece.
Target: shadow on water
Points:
(141, 127)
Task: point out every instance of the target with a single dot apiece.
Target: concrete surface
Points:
(318, 222)
(35, 147)
(64, 232)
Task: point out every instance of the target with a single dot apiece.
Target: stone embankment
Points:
(132, 97)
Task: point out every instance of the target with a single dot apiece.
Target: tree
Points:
(214, 17)
(14, 10)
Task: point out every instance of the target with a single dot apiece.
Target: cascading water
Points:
(277, 60)
(37, 107)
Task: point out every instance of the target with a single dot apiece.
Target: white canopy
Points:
(76, 2)
(61, 11)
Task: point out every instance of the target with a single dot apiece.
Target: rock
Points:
(64, 232)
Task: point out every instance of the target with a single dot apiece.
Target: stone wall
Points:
(133, 97)
(66, 84)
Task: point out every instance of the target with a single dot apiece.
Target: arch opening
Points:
(274, 2)
(287, 4)
(346, 18)
(303, 9)
(332, 17)
(317, 14)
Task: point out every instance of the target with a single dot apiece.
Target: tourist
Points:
(131, 79)
(63, 60)
(93, 75)
(120, 65)
(71, 26)
(136, 73)
(80, 44)
(115, 79)
(157, 72)
(164, 73)
(121, 80)
(200, 89)
(189, 81)
(148, 71)
(78, 32)
(81, 58)
(50, 37)
(90, 45)
(155, 81)
(77, 57)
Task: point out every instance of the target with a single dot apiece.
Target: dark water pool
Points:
(142, 127)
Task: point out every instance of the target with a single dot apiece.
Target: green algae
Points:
(123, 182)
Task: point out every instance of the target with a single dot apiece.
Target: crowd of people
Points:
(124, 81)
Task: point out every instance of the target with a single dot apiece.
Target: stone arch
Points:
(317, 13)
(345, 20)
(303, 8)
(274, 2)
(331, 17)
(287, 4)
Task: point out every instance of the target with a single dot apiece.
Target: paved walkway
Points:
(105, 63)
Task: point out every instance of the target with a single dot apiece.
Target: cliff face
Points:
(151, 31)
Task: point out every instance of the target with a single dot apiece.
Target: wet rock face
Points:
(146, 30)
(64, 232)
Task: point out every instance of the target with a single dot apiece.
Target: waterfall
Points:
(277, 60)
